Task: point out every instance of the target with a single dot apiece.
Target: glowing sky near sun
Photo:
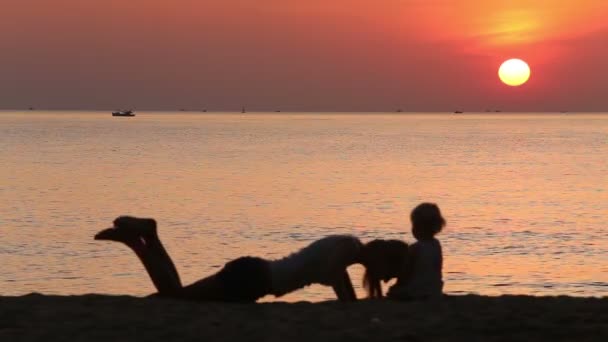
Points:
(302, 54)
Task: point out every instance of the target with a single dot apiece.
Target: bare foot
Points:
(128, 228)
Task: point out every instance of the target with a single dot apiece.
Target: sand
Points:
(456, 318)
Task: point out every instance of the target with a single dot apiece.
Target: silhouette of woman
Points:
(247, 279)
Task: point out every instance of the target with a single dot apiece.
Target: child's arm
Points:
(398, 290)
(408, 265)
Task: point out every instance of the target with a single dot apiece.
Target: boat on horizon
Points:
(123, 113)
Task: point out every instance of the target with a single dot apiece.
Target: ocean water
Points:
(525, 195)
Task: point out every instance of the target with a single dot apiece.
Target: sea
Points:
(525, 195)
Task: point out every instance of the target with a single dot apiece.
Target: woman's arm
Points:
(344, 288)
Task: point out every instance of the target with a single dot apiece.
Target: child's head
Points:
(383, 260)
(426, 221)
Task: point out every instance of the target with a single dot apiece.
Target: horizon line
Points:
(277, 111)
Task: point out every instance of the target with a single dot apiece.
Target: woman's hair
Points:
(383, 260)
(426, 221)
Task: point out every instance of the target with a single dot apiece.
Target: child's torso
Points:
(426, 274)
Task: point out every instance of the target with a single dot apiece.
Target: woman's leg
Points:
(140, 235)
(156, 248)
(242, 280)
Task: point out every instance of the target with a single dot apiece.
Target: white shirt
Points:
(323, 261)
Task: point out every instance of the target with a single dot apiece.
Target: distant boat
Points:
(243, 110)
(399, 110)
(123, 113)
(457, 112)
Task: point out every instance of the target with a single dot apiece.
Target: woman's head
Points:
(426, 221)
(383, 260)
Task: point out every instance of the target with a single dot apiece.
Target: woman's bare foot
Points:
(128, 228)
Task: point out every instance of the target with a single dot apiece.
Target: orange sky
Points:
(379, 55)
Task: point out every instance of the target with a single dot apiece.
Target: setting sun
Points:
(514, 72)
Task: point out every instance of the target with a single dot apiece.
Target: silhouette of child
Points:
(422, 276)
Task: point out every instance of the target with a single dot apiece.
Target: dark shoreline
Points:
(38, 317)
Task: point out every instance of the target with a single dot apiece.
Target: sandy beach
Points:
(38, 317)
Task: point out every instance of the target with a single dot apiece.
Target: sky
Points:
(302, 55)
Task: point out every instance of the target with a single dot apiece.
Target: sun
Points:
(514, 72)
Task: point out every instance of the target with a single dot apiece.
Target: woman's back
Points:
(320, 262)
